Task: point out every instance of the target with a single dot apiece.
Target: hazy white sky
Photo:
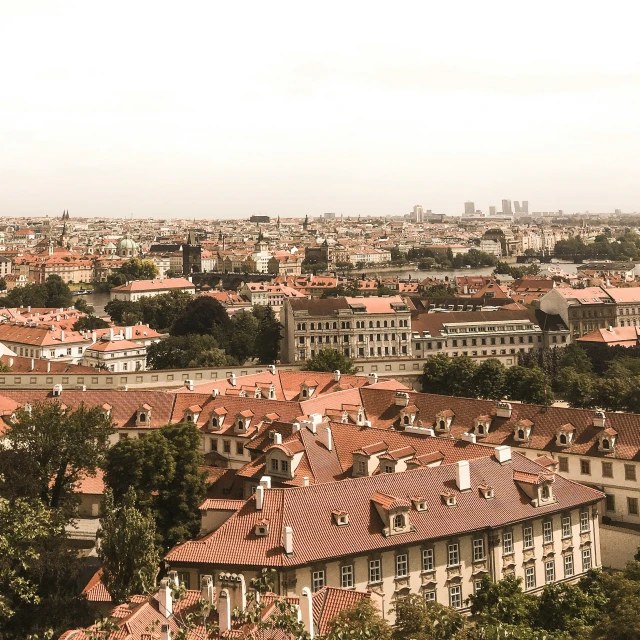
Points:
(224, 109)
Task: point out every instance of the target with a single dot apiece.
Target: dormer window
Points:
(405, 420)
(262, 528)
(487, 492)
(420, 504)
(481, 426)
(564, 437)
(399, 521)
(214, 423)
(444, 420)
(607, 440)
(522, 430)
(449, 498)
(545, 492)
(341, 518)
(143, 416)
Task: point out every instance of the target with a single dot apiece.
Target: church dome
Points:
(127, 246)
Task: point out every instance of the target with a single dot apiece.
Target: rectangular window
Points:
(632, 506)
(427, 560)
(455, 597)
(477, 586)
(284, 465)
(630, 472)
(213, 444)
(478, 549)
(585, 467)
(507, 542)
(528, 537)
(346, 576)
(566, 527)
(402, 565)
(607, 470)
(547, 532)
(586, 559)
(226, 446)
(375, 573)
(362, 467)
(430, 596)
(610, 502)
(549, 571)
(584, 521)
(239, 448)
(453, 557)
(318, 580)
(568, 566)
(564, 464)
(274, 464)
(530, 578)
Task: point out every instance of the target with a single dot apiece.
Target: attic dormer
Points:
(444, 420)
(217, 418)
(308, 388)
(522, 430)
(481, 426)
(565, 434)
(361, 417)
(394, 513)
(419, 503)
(243, 421)
(537, 486)
(257, 393)
(261, 528)
(341, 518)
(143, 416)
(192, 413)
(449, 498)
(272, 391)
(366, 459)
(487, 492)
(408, 415)
(607, 440)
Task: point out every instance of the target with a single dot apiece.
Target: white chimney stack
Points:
(305, 481)
(336, 375)
(111, 334)
(224, 611)
(165, 632)
(165, 599)
(265, 482)
(328, 438)
(259, 497)
(277, 438)
(287, 540)
(232, 379)
(463, 475)
(206, 588)
(306, 609)
(503, 454)
(94, 336)
(62, 335)
(11, 363)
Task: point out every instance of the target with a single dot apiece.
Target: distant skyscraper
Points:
(492, 211)
(516, 207)
(469, 208)
(417, 215)
(506, 208)
(525, 206)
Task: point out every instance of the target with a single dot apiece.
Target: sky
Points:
(227, 109)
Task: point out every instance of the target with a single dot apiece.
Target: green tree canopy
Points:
(490, 379)
(359, 623)
(267, 346)
(435, 374)
(330, 360)
(203, 315)
(182, 352)
(89, 323)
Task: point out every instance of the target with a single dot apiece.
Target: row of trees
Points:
(55, 292)
(134, 269)
(516, 271)
(625, 247)
(490, 379)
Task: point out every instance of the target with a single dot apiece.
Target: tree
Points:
(65, 444)
(421, 620)
(330, 360)
(573, 355)
(502, 602)
(528, 385)
(81, 305)
(3, 284)
(489, 379)
(242, 335)
(127, 548)
(461, 374)
(566, 607)
(435, 374)
(124, 312)
(136, 269)
(57, 292)
(90, 323)
(579, 389)
(164, 471)
(182, 352)
(203, 316)
(358, 623)
(267, 346)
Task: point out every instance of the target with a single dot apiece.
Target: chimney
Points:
(277, 438)
(463, 475)
(503, 454)
(94, 336)
(238, 595)
(272, 369)
(61, 335)
(224, 611)
(165, 632)
(206, 588)
(287, 540)
(165, 599)
(402, 399)
(214, 393)
(111, 334)
(306, 609)
(259, 497)
(128, 333)
(503, 409)
(189, 384)
(48, 366)
(468, 437)
(336, 375)
(295, 427)
(328, 438)
(232, 379)
(29, 309)
(173, 578)
(11, 362)
(265, 481)
(305, 481)
(599, 417)
(373, 378)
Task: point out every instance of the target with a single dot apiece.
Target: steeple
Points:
(305, 224)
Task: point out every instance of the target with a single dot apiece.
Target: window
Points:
(568, 565)
(547, 532)
(477, 586)
(632, 506)
(346, 576)
(317, 580)
(507, 542)
(375, 573)
(427, 560)
(586, 559)
(226, 446)
(530, 578)
(528, 537)
(398, 521)
(478, 549)
(362, 467)
(610, 502)
(584, 521)
(430, 596)
(549, 571)
(274, 464)
(566, 527)
(585, 467)
(607, 469)
(453, 555)
(455, 597)
(239, 448)
(630, 472)
(284, 466)
(402, 565)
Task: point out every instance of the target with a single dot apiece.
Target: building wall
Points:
(618, 545)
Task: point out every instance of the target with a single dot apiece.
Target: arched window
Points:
(520, 434)
(304, 393)
(393, 323)
(385, 323)
(326, 326)
(480, 428)
(398, 521)
(443, 425)
(406, 419)
(189, 418)
(335, 325)
(214, 422)
(370, 324)
(377, 323)
(143, 417)
(313, 326)
(605, 444)
(563, 439)
(545, 493)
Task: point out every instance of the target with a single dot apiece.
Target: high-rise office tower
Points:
(506, 208)
(525, 206)
(469, 208)
(417, 214)
(516, 207)
(492, 211)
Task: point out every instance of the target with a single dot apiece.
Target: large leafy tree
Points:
(330, 360)
(528, 385)
(267, 348)
(489, 379)
(127, 548)
(60, 444)
(421, 620)
(180, 352)
(57, 292)
(243, 335)
(359, 622)
(461, 377)
(164, 471)
(502, 602)
(90, 323)
(203, 316)
(435, 374)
